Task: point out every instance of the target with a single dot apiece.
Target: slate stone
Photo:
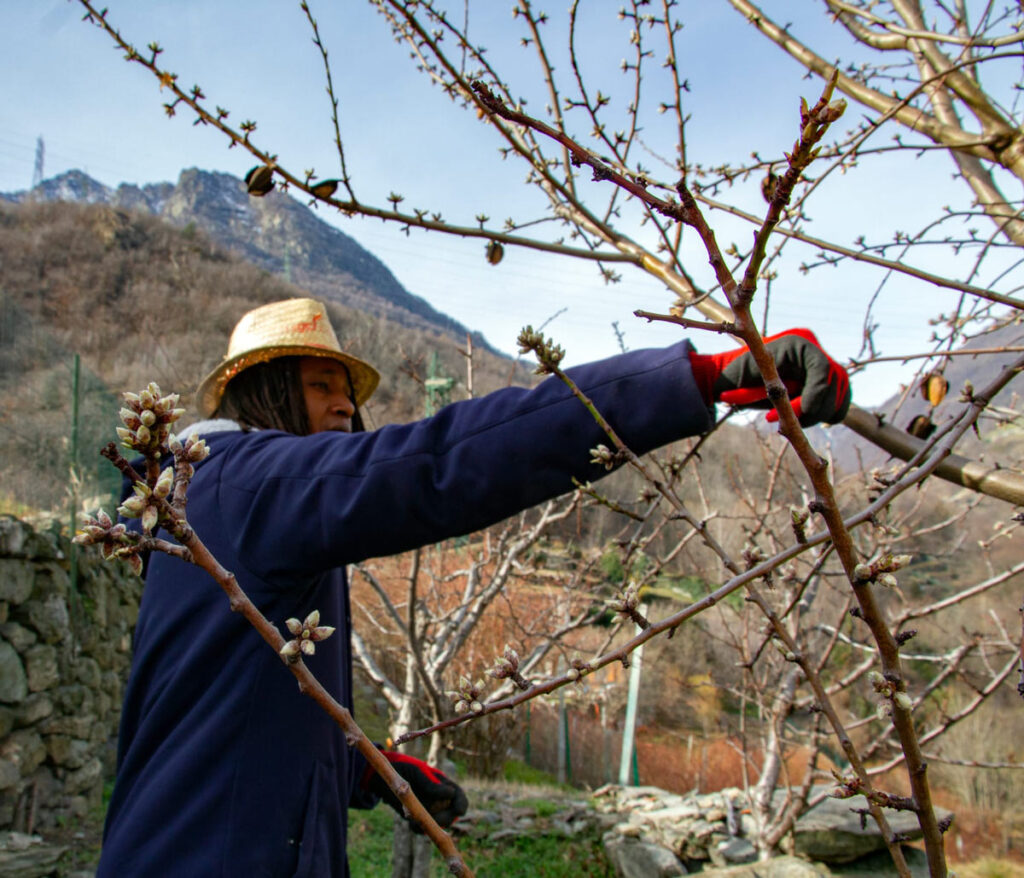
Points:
(16, 579)
(18, 636)
(49, 617)
(13, 682)
(25, 856)
(41, 667)
(632, 858)
(778, 867)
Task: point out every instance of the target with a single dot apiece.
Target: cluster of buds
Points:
(114, 540)
(186, 453)
(604, 456)
(506, 667)
(891, 694)
(548, 354)
(305, 636)
(147, 417)
(467, 696)
(144, 502)
(628, 603)
(881, 570)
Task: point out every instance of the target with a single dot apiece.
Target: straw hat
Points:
(292, 328)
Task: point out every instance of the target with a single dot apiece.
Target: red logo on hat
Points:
(308, 325)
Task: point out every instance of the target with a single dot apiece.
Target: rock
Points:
(832, 832)
(16, 579)
(52, 579)
(25, 856)
(49, 617)
(880, 865)
(25, 750)
(732, 851)
(41, 667)
(640, 859)
(87, 672)
(16, 635)
(779, 867)
(34, 708)
(9, 774)
(13, 683)
(85, 778)
(75, 726)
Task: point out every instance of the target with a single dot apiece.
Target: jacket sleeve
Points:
(299, 505)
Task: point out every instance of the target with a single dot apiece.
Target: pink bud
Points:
(294, 626)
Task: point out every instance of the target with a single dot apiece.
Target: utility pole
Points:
(37, 171)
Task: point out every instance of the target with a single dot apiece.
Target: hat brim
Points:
(363, 376)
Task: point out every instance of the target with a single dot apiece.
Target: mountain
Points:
(276, 233)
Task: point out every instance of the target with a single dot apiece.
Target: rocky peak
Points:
(278, 233)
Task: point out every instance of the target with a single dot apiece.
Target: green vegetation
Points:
(541, 852)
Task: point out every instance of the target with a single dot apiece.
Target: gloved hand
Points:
(818, 386)
(443, 798)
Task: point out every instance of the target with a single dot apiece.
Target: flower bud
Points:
(290, 649)
(142, 435)
(476, 707)
(902, 700)
(307, 647)
(888, 580)
(146, 398)
(862, 572)
(164, 483)
(149, 517)
(132, 507)
(148, 417)
(322, 632)
(312, 620)
(198, 450)
(294, 626)
(174, 444)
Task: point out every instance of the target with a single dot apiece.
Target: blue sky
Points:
(64, 82)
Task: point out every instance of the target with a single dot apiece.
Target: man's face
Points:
(327, 393)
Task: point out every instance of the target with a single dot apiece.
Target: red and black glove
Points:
(443, 798)
(817, 384)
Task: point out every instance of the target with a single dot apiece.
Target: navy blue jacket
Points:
(225, 769)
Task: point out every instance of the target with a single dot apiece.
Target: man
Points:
(225, 769)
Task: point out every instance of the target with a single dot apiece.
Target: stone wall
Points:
(64, 658)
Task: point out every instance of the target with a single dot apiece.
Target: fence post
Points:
(76, 369)
(629, 729)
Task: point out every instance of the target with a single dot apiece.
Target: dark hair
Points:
(268, 396)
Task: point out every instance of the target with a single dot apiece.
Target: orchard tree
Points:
(586, 156)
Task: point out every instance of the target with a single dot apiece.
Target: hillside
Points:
(276, 233)
(140, 299)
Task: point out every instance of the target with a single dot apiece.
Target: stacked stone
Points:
(64, 658)
(661, 833)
